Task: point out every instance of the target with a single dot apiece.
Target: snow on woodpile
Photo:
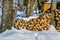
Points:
(34, 23)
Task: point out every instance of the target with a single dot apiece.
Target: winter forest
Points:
(29, 19)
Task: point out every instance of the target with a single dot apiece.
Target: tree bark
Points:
(30, 7)
(8, 15)
(54, 3)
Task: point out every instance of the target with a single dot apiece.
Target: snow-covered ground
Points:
(23, 34)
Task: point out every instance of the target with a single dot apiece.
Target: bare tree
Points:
(30, 4)
(54, 3)
(8, 14)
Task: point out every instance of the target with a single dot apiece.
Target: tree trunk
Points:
(30, 7)
(54, 3)
(8, 14)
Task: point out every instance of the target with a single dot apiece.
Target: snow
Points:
(24, 34)
(16, 35)
(29, 18)
(22, 15)
(48, 1)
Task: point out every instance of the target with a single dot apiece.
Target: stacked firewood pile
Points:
(57, 20)
(22, 24)
(36, 24)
